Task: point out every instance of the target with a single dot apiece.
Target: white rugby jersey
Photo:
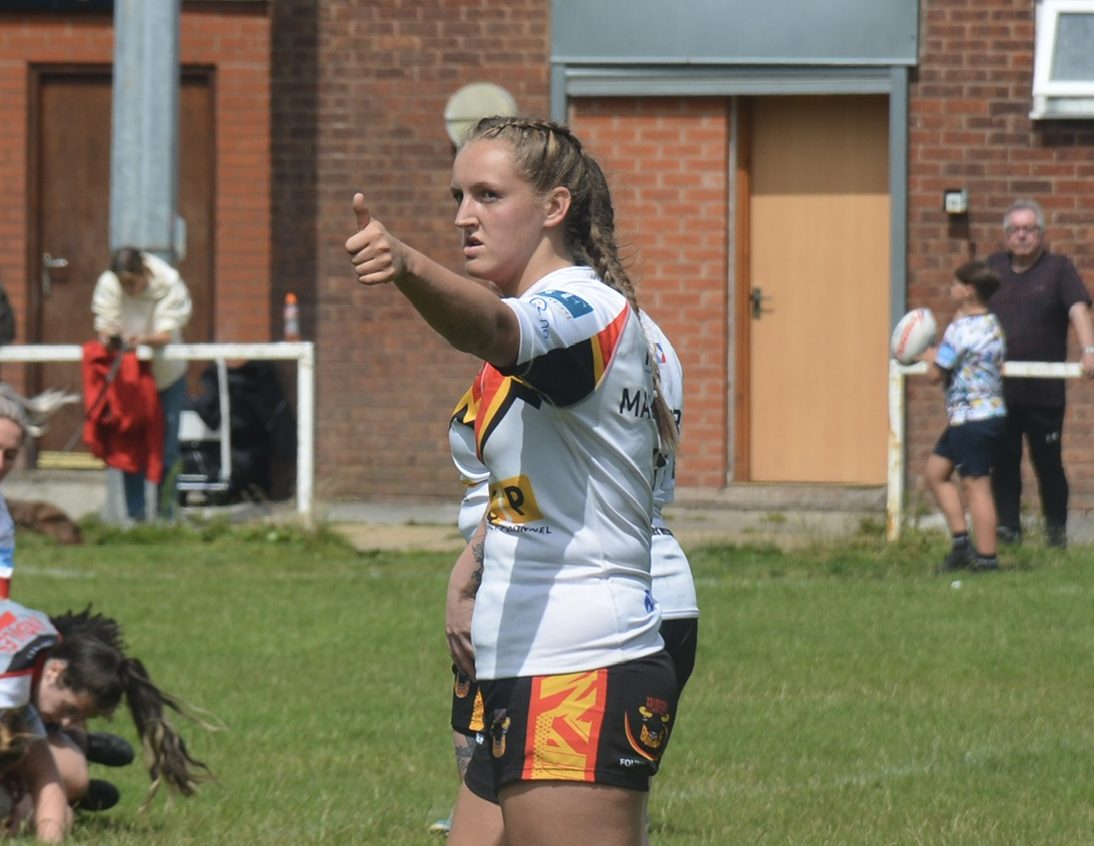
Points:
(25, 637)
(673, 586)
(568, 437)
(473, 473)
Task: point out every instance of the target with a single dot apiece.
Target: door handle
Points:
(757, 297)
(49, 264)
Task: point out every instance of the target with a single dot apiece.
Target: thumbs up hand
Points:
(378, 257)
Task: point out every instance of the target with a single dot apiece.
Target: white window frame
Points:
(1054, 99)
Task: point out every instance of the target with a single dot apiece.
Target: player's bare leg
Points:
(564, 814)
(476, 822)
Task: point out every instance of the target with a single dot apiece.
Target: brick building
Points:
(767, 168)
(55, 74)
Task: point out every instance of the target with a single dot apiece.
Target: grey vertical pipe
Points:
(145, 118)
(143, 149)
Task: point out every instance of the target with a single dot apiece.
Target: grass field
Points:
(841, 696)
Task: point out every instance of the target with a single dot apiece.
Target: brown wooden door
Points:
(819, 258)
(71, 197)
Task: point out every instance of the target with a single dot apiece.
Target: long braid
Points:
(603, 250)
(549, 155)
(94, 647)
(165, 753)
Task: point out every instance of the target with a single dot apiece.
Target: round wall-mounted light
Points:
(474, 101)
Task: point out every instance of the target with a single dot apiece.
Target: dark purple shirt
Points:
(1033, 307)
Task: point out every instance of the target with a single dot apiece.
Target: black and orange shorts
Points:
(681, 637)
(467, 708)
(607, 726)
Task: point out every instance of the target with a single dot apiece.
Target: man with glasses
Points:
(1040, 296)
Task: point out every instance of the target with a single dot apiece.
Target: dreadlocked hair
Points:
(549, 155)
(99, 626)
(93, 647)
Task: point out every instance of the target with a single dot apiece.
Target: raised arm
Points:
(466, 314)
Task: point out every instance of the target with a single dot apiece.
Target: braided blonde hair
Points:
(549, 155)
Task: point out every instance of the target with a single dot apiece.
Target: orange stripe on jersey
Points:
(565, 717)
(492, 392)
(607, 340)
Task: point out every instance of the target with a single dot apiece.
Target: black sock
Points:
(961, 539)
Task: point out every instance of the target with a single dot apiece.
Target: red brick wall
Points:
(234, 39)
(26, 39)
(970, 128)
(667, 163)
(384, 71)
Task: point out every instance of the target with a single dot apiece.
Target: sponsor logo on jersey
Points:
(513, 501)
(16, 632)
(574, 305)
(636, 402)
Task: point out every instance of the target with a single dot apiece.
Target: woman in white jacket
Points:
(142, 300)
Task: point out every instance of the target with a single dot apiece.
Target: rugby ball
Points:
(914, 332)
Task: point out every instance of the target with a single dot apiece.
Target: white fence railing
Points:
(894, 504)
(302, 352)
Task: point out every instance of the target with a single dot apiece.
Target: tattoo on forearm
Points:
(478, 550)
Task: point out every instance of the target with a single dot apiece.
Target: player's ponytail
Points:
(602, 251)
(165, 753)
(94, 651)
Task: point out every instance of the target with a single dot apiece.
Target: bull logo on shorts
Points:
(654, 731)
(462, 686)
(499, 728)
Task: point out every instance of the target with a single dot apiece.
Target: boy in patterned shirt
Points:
(969, 361)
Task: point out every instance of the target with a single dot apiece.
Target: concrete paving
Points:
(786, 516)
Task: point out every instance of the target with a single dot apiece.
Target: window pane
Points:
(1074, 57)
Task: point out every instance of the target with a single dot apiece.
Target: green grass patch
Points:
(843, 694)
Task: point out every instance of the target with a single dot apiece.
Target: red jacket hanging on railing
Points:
(124, 419)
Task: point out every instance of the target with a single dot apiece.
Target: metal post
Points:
(305, 432)
(894, 501)
(145, 118)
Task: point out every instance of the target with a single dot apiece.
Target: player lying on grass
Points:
(66, 670)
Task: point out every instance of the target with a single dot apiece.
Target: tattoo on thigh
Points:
(463, 757)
